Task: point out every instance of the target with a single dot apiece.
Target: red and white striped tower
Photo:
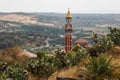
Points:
(68, 32)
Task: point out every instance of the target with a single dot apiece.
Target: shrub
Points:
(71, 58)
(3, 76)
(115, 35)
(103, 44)
(60, 59)
(17, 71)
(80, 53)
(3, 66)
(99, 68)
(13, 70)
(41, 54)
(42, 67)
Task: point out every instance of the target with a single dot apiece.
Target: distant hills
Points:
(31, 30)
(58, 19)
(24, 18)
(21, 18)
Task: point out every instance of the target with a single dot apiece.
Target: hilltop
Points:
(19, 17)
(24, 18)
(15, 53)
(58, 19)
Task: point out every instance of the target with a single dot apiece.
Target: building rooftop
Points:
(81, 42)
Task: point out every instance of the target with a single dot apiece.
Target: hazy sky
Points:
(76, 6)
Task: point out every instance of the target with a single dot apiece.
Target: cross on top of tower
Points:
(68, 16)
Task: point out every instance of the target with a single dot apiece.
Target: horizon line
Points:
(61, 12)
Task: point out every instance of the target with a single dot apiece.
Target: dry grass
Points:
(15, 54)
(115, 52)
(71, 72)
(65, 73)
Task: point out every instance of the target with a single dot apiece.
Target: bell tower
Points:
(68, 32)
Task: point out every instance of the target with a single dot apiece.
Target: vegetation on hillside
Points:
(114, 35)
(98, 67)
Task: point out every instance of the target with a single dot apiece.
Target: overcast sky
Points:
(76, 6)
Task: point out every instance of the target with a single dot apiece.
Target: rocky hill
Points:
(22, 18)
(15, 53)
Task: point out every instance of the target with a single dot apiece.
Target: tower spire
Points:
(68, 16)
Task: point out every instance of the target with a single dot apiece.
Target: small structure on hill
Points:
(81, 42)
